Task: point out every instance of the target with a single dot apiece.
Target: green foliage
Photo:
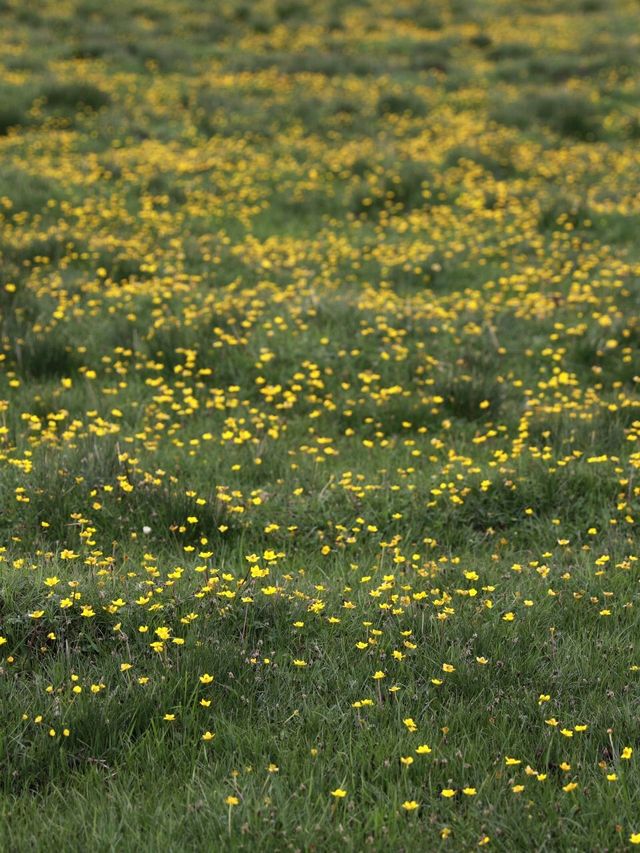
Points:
(566, 113)
(28, 192)
(431, 56)
(14, 105)
(73, 96)
(401, 186)
(400, 103)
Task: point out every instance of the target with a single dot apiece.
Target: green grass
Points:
(319, 360)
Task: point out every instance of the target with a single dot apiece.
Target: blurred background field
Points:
(319, 424)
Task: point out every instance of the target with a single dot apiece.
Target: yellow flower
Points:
(406, 760)
(208, 735)
(125, 666)
(339, 793)
(169, 717)
(634, 838)
(511, 761)
(206, 678)
(231, 800)
(570, 786)
(378, 675)
(447, 667)
(626, 754)
(410, 805)
(423, 749)
(447, 793)
(469, 792)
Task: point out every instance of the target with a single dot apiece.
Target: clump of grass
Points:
(14, 107)
(430, 56)
(40, 357)
(567, 113)
(426, 16)
(482, 40)
(41, 251)
(499, 164)
(401, 103)
(289, 10)
(328, 63)
(72, 96)
(11, 118)
(28, 192)
(510, 50)
(403, 186)
(561, 211)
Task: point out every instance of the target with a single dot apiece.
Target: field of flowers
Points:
(319, 425)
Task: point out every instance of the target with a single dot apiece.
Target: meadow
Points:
(319, 424)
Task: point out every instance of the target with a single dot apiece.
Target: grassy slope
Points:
(319, 359)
